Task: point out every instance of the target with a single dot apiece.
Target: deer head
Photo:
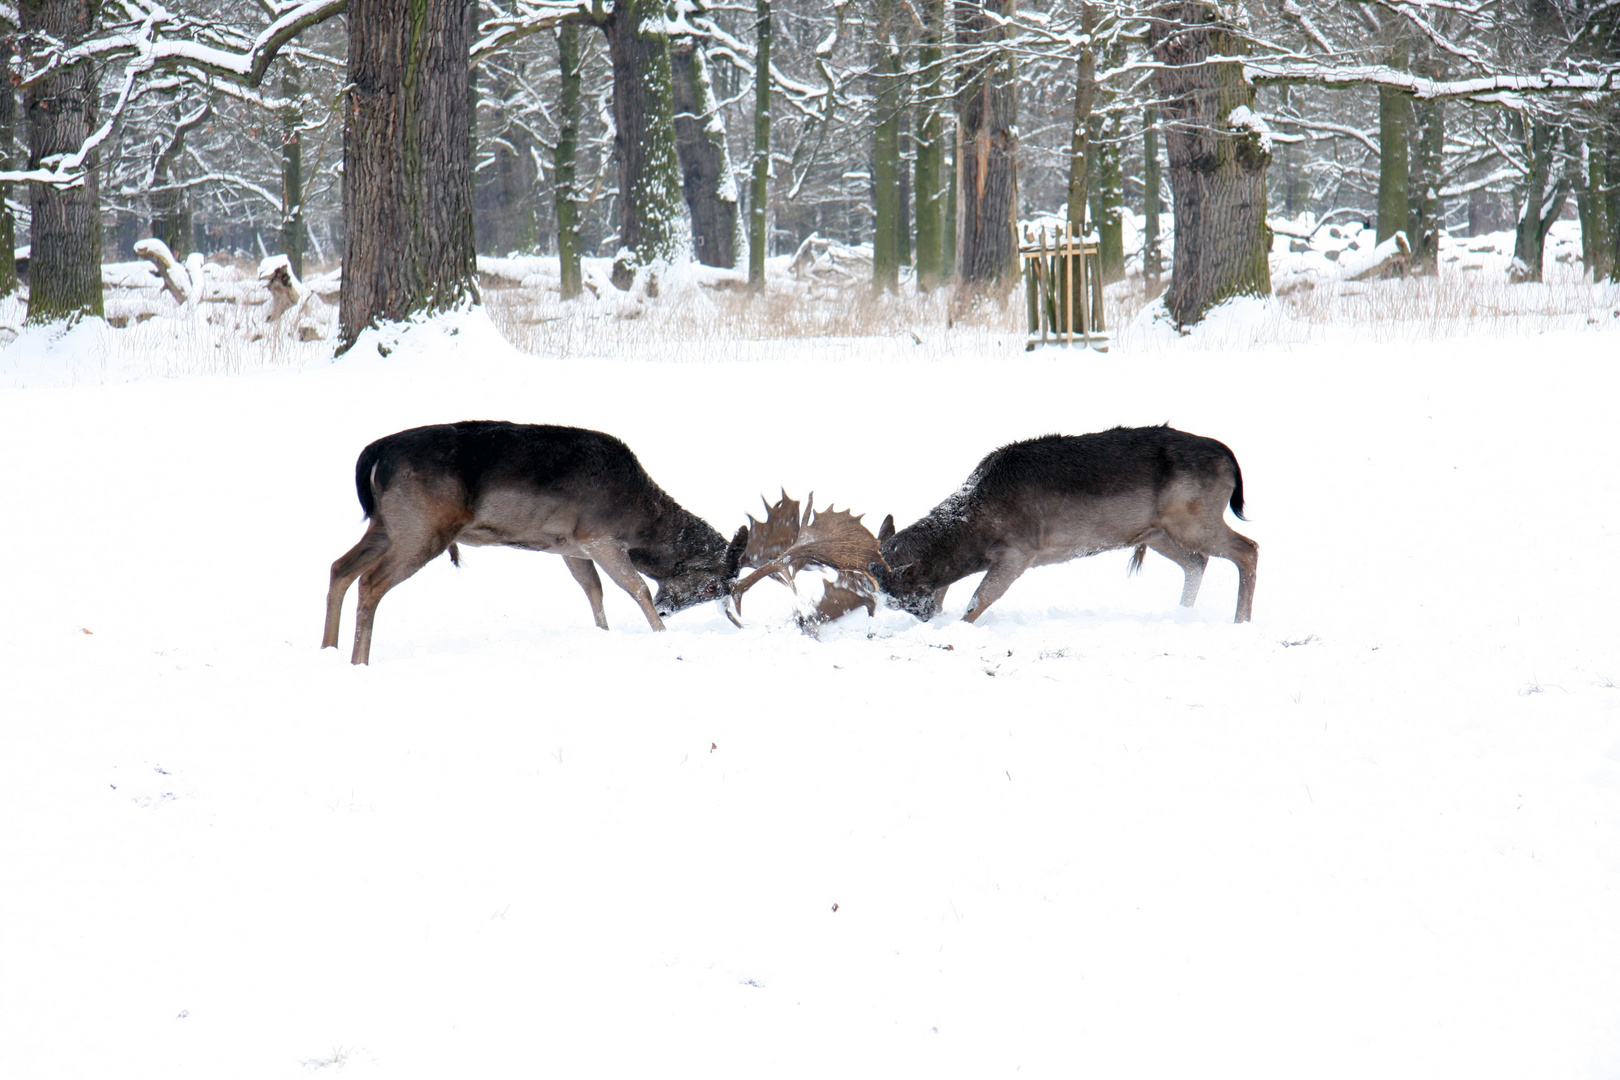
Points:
(900, 583)
(709, 576)
(786, 543)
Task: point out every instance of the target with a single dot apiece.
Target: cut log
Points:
(176, 278)
(1393, 257)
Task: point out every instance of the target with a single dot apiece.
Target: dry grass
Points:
(703, 323)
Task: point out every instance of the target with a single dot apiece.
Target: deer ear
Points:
(886, 530)
(734, 552)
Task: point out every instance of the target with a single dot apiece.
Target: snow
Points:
(1244, 118)
(1371, 833)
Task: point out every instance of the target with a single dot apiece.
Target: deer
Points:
(1062, 497)
(569, 491)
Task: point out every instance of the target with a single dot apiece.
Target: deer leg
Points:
(360, 558)
(1003, 572)
(616, 561)
(584, 572)
(398, 563)
(1192, 564)
(939, 598)
(1246, 554)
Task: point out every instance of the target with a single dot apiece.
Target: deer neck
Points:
(677, 539)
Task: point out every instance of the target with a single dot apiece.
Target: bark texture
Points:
(407, 162)
(986, 145)
(292, 171)
(706, 176)
(1423, 206)
(652, 217)
(8, 142)
(1085, 100)
(928, 170)
(1394, 123)
(1217, 169)
(64, 272)
(886, 154)
(1108, 200)
(1152, 257)
(759, 179)
(564, 162)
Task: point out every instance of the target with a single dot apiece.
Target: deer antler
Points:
(783, 544)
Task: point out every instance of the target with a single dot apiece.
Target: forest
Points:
(403, 138)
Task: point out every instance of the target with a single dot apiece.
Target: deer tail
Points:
(1237, 490)
(365, 477)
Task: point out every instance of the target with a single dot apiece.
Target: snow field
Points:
(1372, 833)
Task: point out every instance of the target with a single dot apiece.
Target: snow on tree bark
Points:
(65, 264)
(292, 171)
(707, 180)
(653, 221)
(1218, 158)
(407, 163)
(1085, 101)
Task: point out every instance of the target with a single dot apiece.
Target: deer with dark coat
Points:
(1062, 497)
(575, 493)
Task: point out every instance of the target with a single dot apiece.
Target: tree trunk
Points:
(950, 220)
(928, 172)
(1085, 100)
(170, 204)
(886, 155)
(907, 150)
(1544, 196)
(292, 170)
(986, 145)
(564, 162)
(759, 181)
(1611, 170)
(1217, 169)
(1108, 198)
(1424, 209)
(654, 225)
(8, 143)
(407, 163)
(1597, 229)
(1394, 114)
(1152, 258)
(64, 270)
(700, 142)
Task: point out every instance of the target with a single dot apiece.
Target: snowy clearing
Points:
(1374, 833)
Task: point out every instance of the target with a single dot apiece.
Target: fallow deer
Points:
(576, 493)
(1061, 497)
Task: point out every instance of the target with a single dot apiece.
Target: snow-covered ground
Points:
(1373, 833)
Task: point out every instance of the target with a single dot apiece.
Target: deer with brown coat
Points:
(575, 493)
(1061, 497)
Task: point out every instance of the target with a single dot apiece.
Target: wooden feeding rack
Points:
(1062, 288)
